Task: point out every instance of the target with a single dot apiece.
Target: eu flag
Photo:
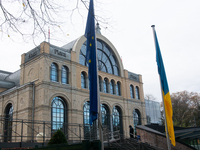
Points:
(91, 57)
(165, 91)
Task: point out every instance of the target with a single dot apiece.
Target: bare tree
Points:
(149, 97)
(31, 18)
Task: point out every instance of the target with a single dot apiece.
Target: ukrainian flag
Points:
(91, 56)
(165, 91)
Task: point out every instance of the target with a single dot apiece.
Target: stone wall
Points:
(158, 140)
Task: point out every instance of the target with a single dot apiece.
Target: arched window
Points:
(64, 75)
(105, 85)
(54, 72)
(118, 89)
(132, 91)
(83, 80)
(112, 85)
(105, 114)
(137, 92)
(8, 123)
(100, 84)
(107, 61)
(117, 120)
(89, 131)
(136, 118)
(58, 115)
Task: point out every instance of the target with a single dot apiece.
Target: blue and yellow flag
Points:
(165, 91)
(91, 58)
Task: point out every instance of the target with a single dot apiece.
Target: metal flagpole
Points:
(49, 35)
(100, 127)
(99, 111)
(167, 134)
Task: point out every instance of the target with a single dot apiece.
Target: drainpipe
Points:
(33, 107)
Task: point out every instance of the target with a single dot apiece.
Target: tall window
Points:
(105, 85)
(100, 84)
(107, 61)
(118, 89)
(89, 131)
(64, 75)
(136, 118)
(112, 85)
(58, 114)
(8, 123)
(137, 92)
(105, 117)
(83, 80)
(132, 91)
(117, 120)
(54, 72)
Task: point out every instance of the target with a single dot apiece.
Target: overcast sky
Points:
(177, 23)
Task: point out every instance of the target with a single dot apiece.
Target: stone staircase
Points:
(129, 144)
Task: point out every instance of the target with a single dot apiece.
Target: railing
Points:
(24, 131)
(37, 131)
(41, 131)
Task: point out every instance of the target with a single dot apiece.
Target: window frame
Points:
(54, 72)
(8, 123)
(132, 91)
(83, 80)
(64, 75)
(63, 116)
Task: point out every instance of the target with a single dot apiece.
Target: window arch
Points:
(89, 131)
(118, 89)
(132, 91)
(54, 72)
(112, 87)
(107, 61)
(8, 123)
(105, 85)
(136, 118)
(58, 115)
(117, 120)
(64, 75)
(137, 92)
(105, 115)
(83, 79)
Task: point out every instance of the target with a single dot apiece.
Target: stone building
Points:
(51, 87)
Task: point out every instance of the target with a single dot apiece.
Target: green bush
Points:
(58, 138)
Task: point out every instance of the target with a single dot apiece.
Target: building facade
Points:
(153, 112)
(52, 87)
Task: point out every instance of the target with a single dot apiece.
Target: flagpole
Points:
(91, 57)
(99, 111)
(49, 35)
(100, 126)
(166, 128)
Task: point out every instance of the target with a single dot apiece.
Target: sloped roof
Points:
(69, 45)
(9, 80)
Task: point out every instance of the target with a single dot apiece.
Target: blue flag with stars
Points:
(91, 57)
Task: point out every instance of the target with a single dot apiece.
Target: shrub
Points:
(58, 138)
